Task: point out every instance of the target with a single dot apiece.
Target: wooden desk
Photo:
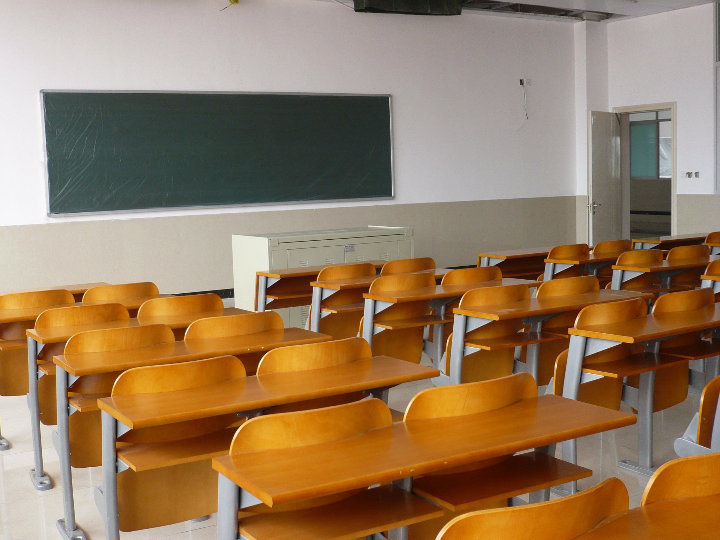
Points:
(70, 367)
(664, 270)
(439, 296)
(288, 287)
(668, 242)
(649, 330)
(401, 451)
(592, 264)
(695, 517)
(252, 395)
(325, 289)
(534, 311)
(36, 338)
(525, 263)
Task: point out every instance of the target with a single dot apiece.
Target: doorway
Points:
(632, 170)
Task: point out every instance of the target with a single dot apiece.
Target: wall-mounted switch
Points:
(688, 174)
(697, 174)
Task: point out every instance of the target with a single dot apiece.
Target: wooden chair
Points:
(170, 478)
(490, 483)
(343, 309)
(465, 276)
(703, 433)
(691, 278)
(713, 238)
(495, 340)
(671, 383)
(161, 310)
(608, 248)
(403, 323)
(561, 519)
(605, 391)
(123, 291)
(405, 266)
(316, 356)
(354, 514)
(232, 326)
(84, 424)
(559, 324)
(71, 316)
(569, 251)
(682, 478)
(647, 282)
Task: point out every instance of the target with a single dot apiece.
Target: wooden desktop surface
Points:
(666, 265)
(694, 517)
(444, 291)
(413, 448)
(80, 364)
(652, 327)
(76, 288)
(26, 314)
(521, 253)
(261, 391)
(546, 305)
(306, 271)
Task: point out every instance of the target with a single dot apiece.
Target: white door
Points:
(604, 186)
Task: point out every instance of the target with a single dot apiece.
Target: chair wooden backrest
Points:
(484, 365)
(470, 398)
(569, 251)
(405, 266)
(612, 247)
(113, 293)
(640, 257)
(472, 275)
(561, 519)
(708, 413)
(713, 268)
(713, 238)
(180, 305)
(699, 251)
(568, 286)
(28, 300)
(343, 324)
(314, 356)
(406, 343)
(234, 325)
(686, 477)
(117, 339)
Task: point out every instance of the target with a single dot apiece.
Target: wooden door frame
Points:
(672, 105)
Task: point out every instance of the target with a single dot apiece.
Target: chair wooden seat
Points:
(634, 364)
(704, 428)
(518, 474)
(520, 339)
(47, 368)
(363, 514)
(348, 308)
(149, 456)
(85, 402)
(695, 351)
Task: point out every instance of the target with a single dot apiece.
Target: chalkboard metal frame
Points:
(214, 206)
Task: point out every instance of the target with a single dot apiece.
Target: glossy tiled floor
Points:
(26, 514)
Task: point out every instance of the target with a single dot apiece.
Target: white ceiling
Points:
(631, 8)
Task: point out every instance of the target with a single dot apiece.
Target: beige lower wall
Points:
(698, 213)
(193, 253)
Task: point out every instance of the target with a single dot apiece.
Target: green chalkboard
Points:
(139, 150)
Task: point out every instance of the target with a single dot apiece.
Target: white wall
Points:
(664, 58)
(459, 129)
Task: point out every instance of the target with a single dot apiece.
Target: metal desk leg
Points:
(457, 352)
(4, 443)
(262, 292)
(228, 505)
(645, 427)
(67, 526)
(571, 387)
(315, 309)
(369, 320)
(39, 479)
(617, 280)
(109, 476)
(401, 533)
